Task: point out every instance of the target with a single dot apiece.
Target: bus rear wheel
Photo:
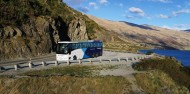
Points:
(74, 57)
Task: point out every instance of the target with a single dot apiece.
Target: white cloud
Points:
(167, 27)
(103, 1)
(93, 4)
(137, 11)
(182, 26)
(177, 27)
(73, 2)
(179, 6)
(130, 17)
(172, 28)
(183, 11)
(121, 4)
(162, 1)
(84, 9)
(163, 16)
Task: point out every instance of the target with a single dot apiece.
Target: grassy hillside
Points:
(166, 66)
(159, 82)
(152, 36)
(16, 13)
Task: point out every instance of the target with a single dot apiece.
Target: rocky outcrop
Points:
(38, 36)
(77, 30)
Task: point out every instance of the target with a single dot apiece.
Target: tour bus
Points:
(70, 50)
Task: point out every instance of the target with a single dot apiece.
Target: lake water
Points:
(181, 55)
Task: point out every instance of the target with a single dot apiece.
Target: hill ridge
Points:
(153, 36)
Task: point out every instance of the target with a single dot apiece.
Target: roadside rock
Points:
(77, 30)
(38, 36)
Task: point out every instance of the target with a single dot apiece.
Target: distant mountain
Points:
(188, 30)
(148, 35)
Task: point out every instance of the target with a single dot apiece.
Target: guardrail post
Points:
(119, 59)
(90, 61)
(2, 68)
(132, 59)
(68, 62)
(109, 60)
(56, 63)
(30, 64)
(16, 67)
(80, 61)
(126, 59)
(141, 57)
(43, 63)
(100, 61)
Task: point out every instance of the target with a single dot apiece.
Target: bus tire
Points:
(74, 57)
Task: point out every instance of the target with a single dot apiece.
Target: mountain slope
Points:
(155, 37)
(33, 27)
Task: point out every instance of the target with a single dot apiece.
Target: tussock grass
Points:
(158, 82)
(66, 85)
(76, 70)
(170, 66)
(74, 80)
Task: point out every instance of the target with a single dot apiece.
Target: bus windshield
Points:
(62, 48)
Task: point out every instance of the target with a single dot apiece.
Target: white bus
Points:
(67, 50)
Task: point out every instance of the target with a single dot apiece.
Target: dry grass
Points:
(74, 80)
(158, 82)
(123, 46)
(149, 35)
(65, 85)
(168, 65)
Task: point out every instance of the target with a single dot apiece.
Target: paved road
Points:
(108, 57)
(48, 57)
(51, 57)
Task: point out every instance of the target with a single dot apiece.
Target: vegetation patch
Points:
(64, 85)
(170, 66)
(73, 80)
(77, 71)
(122, 46)
(158, 82)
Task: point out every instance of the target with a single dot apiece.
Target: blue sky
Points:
(172, 14)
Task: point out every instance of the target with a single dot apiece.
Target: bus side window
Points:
(84, 45)
(95, 45)
(74, 46)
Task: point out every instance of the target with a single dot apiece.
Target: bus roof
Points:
(79, 41)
